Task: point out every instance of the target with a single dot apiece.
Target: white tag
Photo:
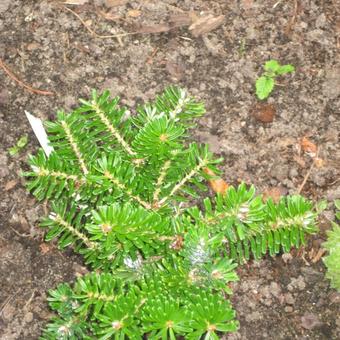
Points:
(40, 133)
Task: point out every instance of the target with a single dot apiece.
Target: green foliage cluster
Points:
(265, 84)
(332, 261)
(125, 193)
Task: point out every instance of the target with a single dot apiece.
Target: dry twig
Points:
(308, 173)
(21, 83)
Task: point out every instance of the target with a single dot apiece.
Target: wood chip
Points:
(206, 24)
(264, 112)
(134, 13)
(158, 28)
(114, 3)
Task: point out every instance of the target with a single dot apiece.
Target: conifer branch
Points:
(82, 237)
(183, 99)
(129, 192)
(185, 179)
(114, 132)
(101, 296)
(63, 175)
(74, 146)
(160, 180)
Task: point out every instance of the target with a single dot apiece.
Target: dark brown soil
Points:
(49, 48)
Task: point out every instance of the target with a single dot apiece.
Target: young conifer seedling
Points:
(265, 84)
(125, 193)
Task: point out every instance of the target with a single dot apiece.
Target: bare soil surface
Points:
(49, 47)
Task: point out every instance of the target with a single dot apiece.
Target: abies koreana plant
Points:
(124, 192)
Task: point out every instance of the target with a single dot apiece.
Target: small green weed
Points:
(21, 143)
(265, 84)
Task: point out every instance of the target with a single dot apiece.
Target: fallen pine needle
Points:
(307, 174)
(21, 83)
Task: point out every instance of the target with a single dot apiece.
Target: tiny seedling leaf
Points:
(264, 86)
(272, 66)
(284, 69)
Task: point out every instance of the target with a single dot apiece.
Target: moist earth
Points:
(48, 47)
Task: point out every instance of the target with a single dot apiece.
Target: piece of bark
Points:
(206, 24)
(157, 28)
(180, 20)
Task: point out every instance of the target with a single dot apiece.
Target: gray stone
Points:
(289, 299)
(331, 85)
(28, 317)
(310, 321)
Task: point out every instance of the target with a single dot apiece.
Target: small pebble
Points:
(289, 309)
(28, 317)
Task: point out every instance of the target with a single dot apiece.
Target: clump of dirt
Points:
(49, 48)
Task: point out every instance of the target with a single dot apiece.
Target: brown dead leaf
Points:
(308, 147)
(218, 185)
(178, 242)
(206, 24)
(158, 28)
(10, 185)
(114, 3)
(134, 13)
(274, 193)
(264, 112)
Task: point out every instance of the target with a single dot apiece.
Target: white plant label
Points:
(40, 133)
